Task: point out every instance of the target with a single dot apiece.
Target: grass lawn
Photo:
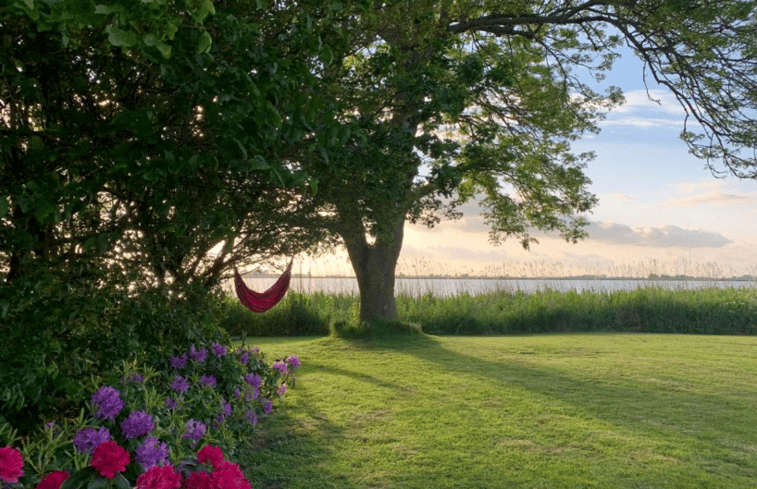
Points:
(550, 411)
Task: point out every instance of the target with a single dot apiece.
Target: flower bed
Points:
(156, 429)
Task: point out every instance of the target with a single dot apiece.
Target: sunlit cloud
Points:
(713, 192)
(657, 237)
(624, 197)
(657, 100)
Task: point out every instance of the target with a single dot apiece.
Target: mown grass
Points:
(548, 411)
(649, 310)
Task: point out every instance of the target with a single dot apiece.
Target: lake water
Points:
(451, 286)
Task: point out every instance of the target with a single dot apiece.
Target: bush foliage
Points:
(58, 338)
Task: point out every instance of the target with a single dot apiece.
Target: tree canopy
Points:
(137, 139)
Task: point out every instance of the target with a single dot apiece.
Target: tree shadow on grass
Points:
(664, 407)
(282, 441)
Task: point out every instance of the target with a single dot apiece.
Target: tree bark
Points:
(374, 265)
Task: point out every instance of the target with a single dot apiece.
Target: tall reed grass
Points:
(649, 310)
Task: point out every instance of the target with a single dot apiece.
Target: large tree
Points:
(446, 100)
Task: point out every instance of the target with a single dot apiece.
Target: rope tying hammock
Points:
(263, 301)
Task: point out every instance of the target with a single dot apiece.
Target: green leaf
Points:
(259, 164)
(98, 483)
(164, 49)
(171, 30)
(121, 482)
(205, 9)
(77, 479)
(120, 37)
(241, 148)
(44, 208)
(203, 46)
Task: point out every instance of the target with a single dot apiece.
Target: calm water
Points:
(452, 286)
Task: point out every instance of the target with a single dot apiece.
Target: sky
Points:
(660, 210)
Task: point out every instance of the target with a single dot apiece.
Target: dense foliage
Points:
(142, 155)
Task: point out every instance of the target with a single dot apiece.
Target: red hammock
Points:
(262, 301)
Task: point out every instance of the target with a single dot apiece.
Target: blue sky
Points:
(659, 211)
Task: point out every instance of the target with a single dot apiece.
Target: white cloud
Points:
(657, 237)
(715, 192)
(656, 100)
(642, 122)
(624, 197)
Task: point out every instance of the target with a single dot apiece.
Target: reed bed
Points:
(650, 310)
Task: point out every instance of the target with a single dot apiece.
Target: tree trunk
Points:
(374, 265)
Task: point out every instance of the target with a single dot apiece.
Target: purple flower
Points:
(151, 453)
(138, 423)
(252, 417)
(195, 430)
(178, 362)
(281, 367)
(218, 349)
(171, 403)
(198, 356)
(133, 378)
(268, 407)
(282, 390)
(108, 401)
(251, 396)
(294, 361)
(87, 439)
(226, 411)
(254, 350)
(253, 379)
(180, 384)
(208, 380)
(244, 358)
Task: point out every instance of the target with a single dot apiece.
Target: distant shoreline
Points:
(677, 278)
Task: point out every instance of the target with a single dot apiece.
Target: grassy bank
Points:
(649, 310)
(551, 411)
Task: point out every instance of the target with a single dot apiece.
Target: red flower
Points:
(53, 480)
(198, 480)
(11, 462)
(229, 476)
(110, 458)
(211, 454)
(159, 478)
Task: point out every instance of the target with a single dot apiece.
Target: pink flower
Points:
(211, 454)
(11, 462)
(159, 478)
(53, 480)
(229, 476)
(198, 480)
(110, 458)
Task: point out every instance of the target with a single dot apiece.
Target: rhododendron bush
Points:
(174, 428)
